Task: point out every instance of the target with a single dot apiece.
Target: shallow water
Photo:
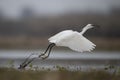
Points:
(71, 60)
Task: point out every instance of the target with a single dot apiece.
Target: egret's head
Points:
(92, 25)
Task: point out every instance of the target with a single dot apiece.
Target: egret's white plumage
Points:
(73, 39)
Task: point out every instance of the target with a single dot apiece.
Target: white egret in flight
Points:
(71, 39)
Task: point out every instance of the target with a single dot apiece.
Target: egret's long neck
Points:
(85, 29)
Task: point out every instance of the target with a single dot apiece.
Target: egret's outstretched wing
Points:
(72, 39)
(60, 36)
(79, 43)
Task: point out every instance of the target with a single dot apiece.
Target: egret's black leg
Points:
(50, 48)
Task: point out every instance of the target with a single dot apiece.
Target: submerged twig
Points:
(28, 61)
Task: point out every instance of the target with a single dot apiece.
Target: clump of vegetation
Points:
(109, 67)
(61, 68)
(11, 63)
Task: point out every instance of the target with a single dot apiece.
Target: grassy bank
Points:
(13, 74)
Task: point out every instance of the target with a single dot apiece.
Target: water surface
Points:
(73, 60)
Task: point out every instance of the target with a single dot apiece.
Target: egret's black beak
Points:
(97, 26)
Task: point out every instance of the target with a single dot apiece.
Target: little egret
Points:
(71, 39)
(67, 38)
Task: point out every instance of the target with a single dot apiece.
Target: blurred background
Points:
(29, 23)
(26, 25)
